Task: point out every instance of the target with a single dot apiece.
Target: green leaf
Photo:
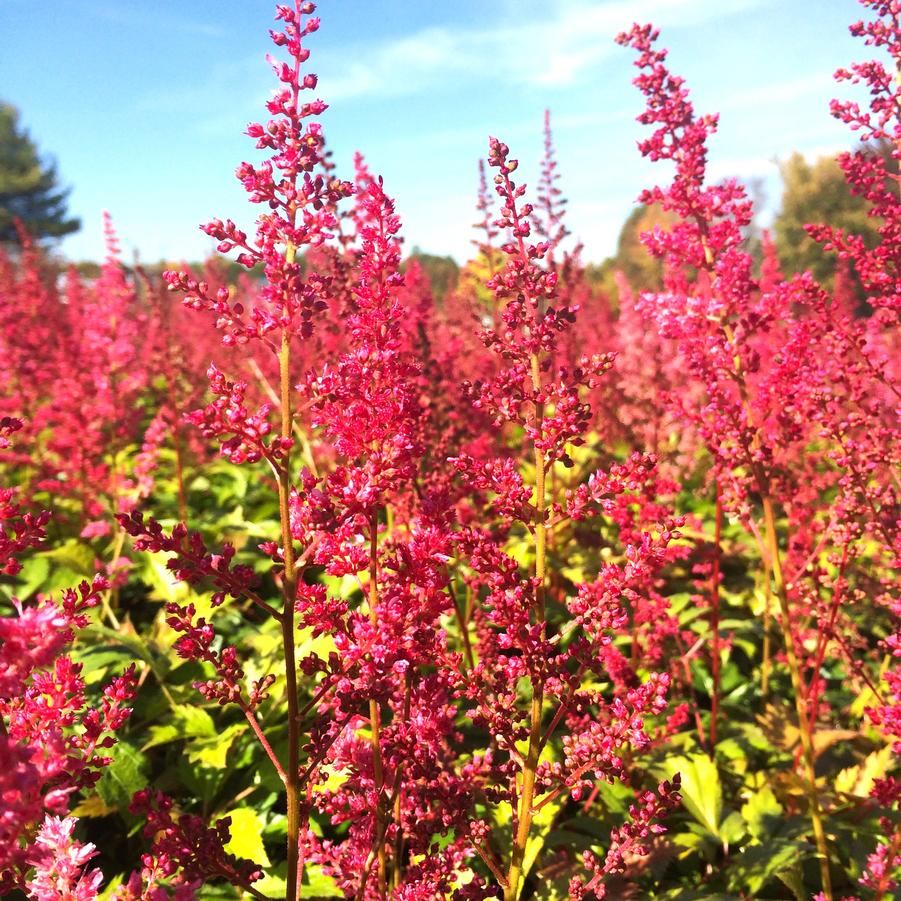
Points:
(858, 780)
(213, 751)
(162, 582)
(73, 555)
(763, 813)
(123, 777)
(344, 587)
(686, 894)
(109, 889)
(92, 806)
(186, 722)
(732, 829)
(702, 793)
(615, 797)
(731, 749)
(134, 644)
(33, 576)
(319, 884)
(200, 781)
(691, 842)
(99, 661)
(162, 735)
(193, 721)
(247, 836)
(541, 826)
(759, 864)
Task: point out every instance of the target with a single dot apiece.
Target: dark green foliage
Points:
(29, 188)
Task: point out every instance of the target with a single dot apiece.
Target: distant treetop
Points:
(29, 188)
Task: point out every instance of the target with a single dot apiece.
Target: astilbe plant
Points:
(53, 744)
(796, 399)
(85, 461)
(100, 347)
(300, 201)
(382, 713)
(465, 608)
(517, 643)
(867, 436)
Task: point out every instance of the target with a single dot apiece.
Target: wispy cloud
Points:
(133, 15)
(558, 46)
(765, 96)
(767, 168)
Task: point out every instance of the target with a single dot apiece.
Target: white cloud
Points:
(769, 95)
(133, 15)
(553, 45)
(766, 167)
(742, 168)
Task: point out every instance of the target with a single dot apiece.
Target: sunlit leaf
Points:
(247, 836)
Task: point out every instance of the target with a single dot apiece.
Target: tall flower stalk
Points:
(545, 400)
(449, 611)
(301, 201)
(778, 410)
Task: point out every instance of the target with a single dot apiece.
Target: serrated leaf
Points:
(691, 842)
(762, 813)
(273, 885)
(73, 555)
(864, 699)
(858, 780)
(825, 738)
(162, 735)
(701, 790)
(541, 826)
(185, 722)
(793, 879)
(163, 583)
(111, 886)
(32, 577)
(123, 777)
(134, 644)
(759, 864)
(213, 751)
(93, 806)
(319, 884)
(98, 661)
(193, 721)
(343, 587)
(247, 836)
(731, 749)
(732, 829)
(684, 894)
(615, 796)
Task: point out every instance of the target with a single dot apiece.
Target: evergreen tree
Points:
(29, 190)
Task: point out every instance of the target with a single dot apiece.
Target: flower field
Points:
(320, 580)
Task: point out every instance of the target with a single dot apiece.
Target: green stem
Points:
(765, 665)
(527, 793)
(109, 596)
(289, 589)
(375, 713)
(715, 622)
(816, 816)
(463, 625)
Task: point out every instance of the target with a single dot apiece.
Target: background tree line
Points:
(813, 191)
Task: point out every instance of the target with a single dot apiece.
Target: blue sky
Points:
(143, 102)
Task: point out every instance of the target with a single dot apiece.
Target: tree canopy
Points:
(816, 192)
(29, 187)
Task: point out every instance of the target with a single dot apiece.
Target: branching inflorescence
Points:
(485, 580)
